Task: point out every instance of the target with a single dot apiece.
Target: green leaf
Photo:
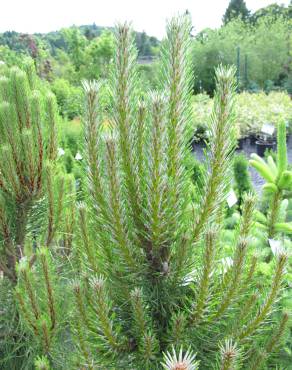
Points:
(285, 181)
(259, 216)
(285, 227)
(272, 165)
(269, 187)
(282, 147)
(263, 170)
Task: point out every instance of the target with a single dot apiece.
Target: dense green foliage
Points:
(253, 110)
(149, 277)
(26, 147)
(265, 53)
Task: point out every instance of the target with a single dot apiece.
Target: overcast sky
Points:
(48, 15)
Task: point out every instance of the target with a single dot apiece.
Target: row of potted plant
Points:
(257, 115)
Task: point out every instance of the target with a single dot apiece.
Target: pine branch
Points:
(103, 307)
(83, 315)
(177, 77)
(158, 229)
(92, 139)
(43, 255)
(139, 313)
(265, 309)
(25, 145)
(205, 278)
(85, 238)
(120, 233)
(83, 345)
(149, 349)
(23, 270)
(221, 149)
(124, 106)
(261, 357)
(178, 330)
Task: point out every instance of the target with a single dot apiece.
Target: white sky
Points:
(48, 15)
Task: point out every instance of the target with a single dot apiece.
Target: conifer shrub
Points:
(36, 198)
(153, 279)
(153, 285)
(28, 141)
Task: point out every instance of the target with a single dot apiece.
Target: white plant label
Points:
(276, 246)
(78, 156)
(231, 198)
(209, 133)
(267, 128)
(61, 152)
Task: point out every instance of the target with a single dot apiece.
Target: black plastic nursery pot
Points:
(253, 139)
(263, 146)
(241, 142)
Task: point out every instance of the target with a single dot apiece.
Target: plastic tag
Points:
(267, 128)
(61, 152)
(208, 133)
(78, 156)
(231, 198)
(276, 246)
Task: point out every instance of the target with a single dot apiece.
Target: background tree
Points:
(76, 44)
(98, 54)
(267, 45)
(235, 9)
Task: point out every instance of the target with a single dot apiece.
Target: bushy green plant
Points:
(71, 136)
(69, 98)
(202, 107)
(38, 310)
(33, 193)
(252, 111)
(278, 184)
(155, 283)
(153, 271)
(28, 140)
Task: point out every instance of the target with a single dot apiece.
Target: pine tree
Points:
(235, 9)
(152, 279)
(30, 186)
(153, 286)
